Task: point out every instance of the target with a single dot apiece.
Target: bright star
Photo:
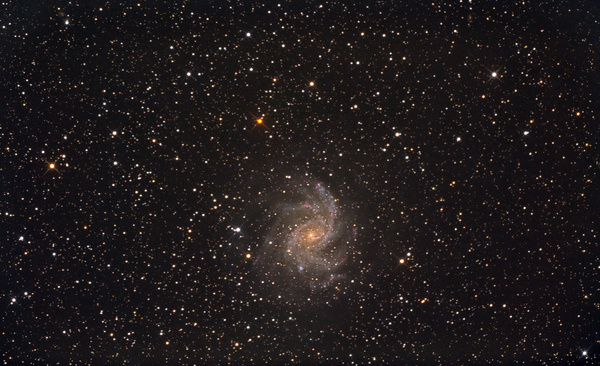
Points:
(51, 166)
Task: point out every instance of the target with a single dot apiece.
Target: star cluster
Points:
(210, 182)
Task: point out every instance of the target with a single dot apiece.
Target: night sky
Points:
(307, 182)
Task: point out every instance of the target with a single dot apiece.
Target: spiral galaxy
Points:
(307, 243)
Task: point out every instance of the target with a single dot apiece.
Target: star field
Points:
(306, 182)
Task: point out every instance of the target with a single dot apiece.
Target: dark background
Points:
(126, 251)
